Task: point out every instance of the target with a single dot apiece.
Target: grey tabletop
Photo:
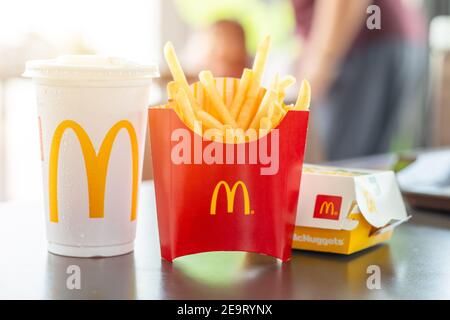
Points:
(414, 264)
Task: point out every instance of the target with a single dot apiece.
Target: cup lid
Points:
(89, 67)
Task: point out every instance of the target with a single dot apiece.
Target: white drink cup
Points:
(92, 117)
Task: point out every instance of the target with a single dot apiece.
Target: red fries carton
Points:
(214, 196)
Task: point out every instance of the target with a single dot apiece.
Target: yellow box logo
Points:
(96, 166)
(327, 207)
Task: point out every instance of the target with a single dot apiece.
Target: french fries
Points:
(207, 80)
(178, 74)
(242, 114)
(286, 83)
(265, 124)
(208, 120)
(277, 114)
(185, 108)
(304, 96)
(241, 92)
(172, 89)
(250, 106)
(172, 104)
(269, 99)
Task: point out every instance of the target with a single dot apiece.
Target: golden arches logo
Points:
(96, 165)
(231, 194)
(327, 207)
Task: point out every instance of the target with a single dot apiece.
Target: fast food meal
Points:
(250, 108)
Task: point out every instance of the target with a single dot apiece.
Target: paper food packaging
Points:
(226, 207)
(345, 210)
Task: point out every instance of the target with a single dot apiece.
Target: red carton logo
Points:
(327, 207)
(231, 194)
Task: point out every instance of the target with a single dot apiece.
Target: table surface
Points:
(415, 264)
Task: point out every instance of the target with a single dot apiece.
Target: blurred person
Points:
(365, 82)
(222, 49)
(226, 54)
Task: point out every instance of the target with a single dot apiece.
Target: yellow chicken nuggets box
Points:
(345, 210)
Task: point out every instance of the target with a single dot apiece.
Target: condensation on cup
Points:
(92, 114)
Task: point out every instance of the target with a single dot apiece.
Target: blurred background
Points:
(380, 80)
